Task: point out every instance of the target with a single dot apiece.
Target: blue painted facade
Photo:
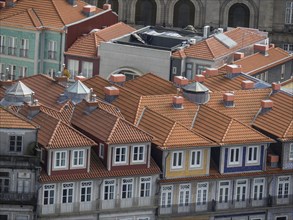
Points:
(243, 167)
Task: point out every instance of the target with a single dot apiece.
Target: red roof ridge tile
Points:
(54, 132)
(290, 126)
(170, 132)
(32, 13)
(113, 129)
(57, 10)
(208, 45)
(226, 132)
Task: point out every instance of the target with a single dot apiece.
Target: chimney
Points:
(238, 56)
(233, 70)
(6, 83)
(228, 99)
(106, 6)
(2, 4)
(178, 102)
(276, 87)
(34, 108)
(247, 84)
(72, 2)
(10, 3)
(273, 160)
(118, 79)
(206, 31)
(61, 80)
(111, 93)
(92, 104)
(89, 10)
(80, 78)
(261, 48)
(180, 81)
(199, 78)
(266, 105)
(211, 72)
(272, 45)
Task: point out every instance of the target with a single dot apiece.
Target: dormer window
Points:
(252, 154)
(120, 155)
(234, 156)
(177, 160)
(102, 151)
(138, 153)
(15, 143)
(60, 159)
(78, 158)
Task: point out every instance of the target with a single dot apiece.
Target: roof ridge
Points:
(167, 138)
(113, 129)
(227, 129)
(33, 10)
(137, 109)
(209, 47)
(287, 130)
(54, 132)
(56, 8)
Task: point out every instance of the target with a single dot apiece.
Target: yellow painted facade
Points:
(187, 170)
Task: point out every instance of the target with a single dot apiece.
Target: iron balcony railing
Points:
(11, 51)
(52, 55)
(212, 206)
(19, 162)
(23, 52)
(18, 198)
(2, 49)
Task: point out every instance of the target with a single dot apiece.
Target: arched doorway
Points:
(239, 15)
(114, 4)
(145, 12)
(184, 12)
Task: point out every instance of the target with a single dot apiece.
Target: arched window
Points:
(114, 4)
(239, 15)
(184, 12)
(145, 12)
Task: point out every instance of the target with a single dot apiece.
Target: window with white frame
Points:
(78, 158)
(289, 12)
(288, 47)
(60, 159)
(234, 156)
(291, 152)
(174, 70)
(258, 188)
(4, 182)
(67, 192)
(22, 72)
(145, 186)
(52, 47)
(86, 191)
(241, 188)
(166, 196)
(177, 160)
(15, 143)
(138, 153)
(24, 48)
(252, 154)
(196, 158)
(283, 71)
(189, 71)
(11, 44)
(109, 189)
(184, 194)
(87, 69)
(11, 72)
(127, 187)
(283, 186)
(51, 72)
(49, 194)
(2, 44)
(120, 155)
(202, 193)
(73, 66)
(23, 186)
(224, 191)
(101, 150)
(2, 70)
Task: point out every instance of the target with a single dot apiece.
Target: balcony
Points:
(2, 49)
(19, 162)
(23, 52)
(52, 55)
(98, 205)
(248, 204)
(15, 198)
(11, 51)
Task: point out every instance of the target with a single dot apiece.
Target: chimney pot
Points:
(267, 104)
(211, 71)
(247, 84)
(88, 10)
(262, 48)
(117, 78)
(199, 78)
(106, 6)
(80, 78)
(180, 80)
(272, 45)
(178, 101)
(2, 4)
(276, 87)
(233, 68)
(229, 97)
(111, 91)
(238, 56)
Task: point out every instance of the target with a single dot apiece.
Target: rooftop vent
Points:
(118, 79)
(247, 84)
(111, 93)
(228, 99)
(196, 92)
(233, 70)
(180, 81)
(238, 56)
(266, 105)
(199, 78)
(178, 102)
(89, 10)
(261, 48)
(206, 31)
(276, 87)
(92, 104)
(211, 72)
(34, 108)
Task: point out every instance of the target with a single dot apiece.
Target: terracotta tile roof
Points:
(225, 130)
(150, 84)
(107, 127)
(257, 62)
(211, 48)
(246, 103)
(87, 46)
(46, 89)
(98, 170)
(54, 133)
(10, 119)
(169, 133)
(51, 14)
(2, 93)
(279, 120)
